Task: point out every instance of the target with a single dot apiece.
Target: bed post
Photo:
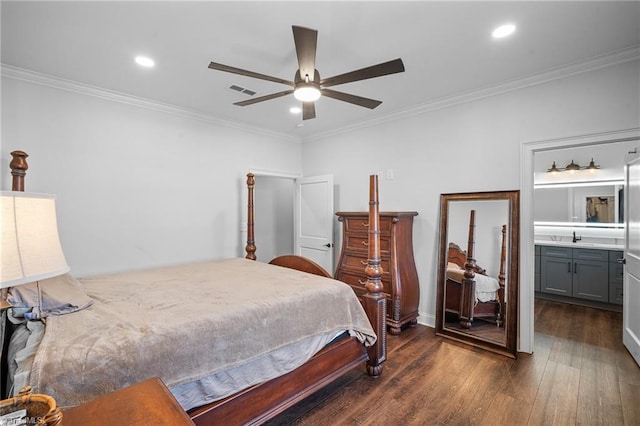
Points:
(19, 168)
(501, 277)
(467, 301)
(251, 244)
(374, 301)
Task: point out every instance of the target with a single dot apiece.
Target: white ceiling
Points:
(446, 48)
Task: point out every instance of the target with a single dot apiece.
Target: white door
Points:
(314, 220)
(631, 280)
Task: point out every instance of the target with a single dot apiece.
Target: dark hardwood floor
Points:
(580, 374)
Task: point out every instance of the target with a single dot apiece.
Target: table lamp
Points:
(30, 249)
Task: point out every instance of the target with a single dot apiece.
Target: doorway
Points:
(527, 248)
(274, 217)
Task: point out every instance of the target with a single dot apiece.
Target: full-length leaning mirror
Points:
(478, 269)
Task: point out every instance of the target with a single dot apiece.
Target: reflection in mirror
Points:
(583, 204)
(478, 269)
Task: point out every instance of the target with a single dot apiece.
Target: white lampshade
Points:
(31, 249)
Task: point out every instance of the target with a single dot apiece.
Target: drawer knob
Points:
(362, 282)
(365, 243)
(364, 262)
(365, 224)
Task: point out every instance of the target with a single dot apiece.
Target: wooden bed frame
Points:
(261, 402)
(460, 298)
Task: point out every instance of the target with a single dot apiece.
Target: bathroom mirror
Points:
(477, 300)
(582, 204)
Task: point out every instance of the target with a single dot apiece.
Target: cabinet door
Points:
(555, 275)
(616, 271)
(591, 280)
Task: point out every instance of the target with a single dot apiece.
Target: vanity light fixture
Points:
(574, 167)
(592, 167)
(553, 168)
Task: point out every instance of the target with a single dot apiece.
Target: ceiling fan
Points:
(307, 85)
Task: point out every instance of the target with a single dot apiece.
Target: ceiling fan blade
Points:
(306, 41)
(352, 99)
(264, 98)
(373, 71)
(234, 70)
(308, 110)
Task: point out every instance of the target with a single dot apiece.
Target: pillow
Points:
(455, 274)
(451, 265)
(58, 296)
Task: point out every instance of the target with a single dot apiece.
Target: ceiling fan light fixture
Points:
(306, 92)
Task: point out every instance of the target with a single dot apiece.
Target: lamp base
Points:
(3, 300)
(37, 406)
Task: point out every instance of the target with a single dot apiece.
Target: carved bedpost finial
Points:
(251, 244)
(19, 168)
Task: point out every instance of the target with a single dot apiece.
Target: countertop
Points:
(580, 244)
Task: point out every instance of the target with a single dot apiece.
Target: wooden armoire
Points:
(400, 278)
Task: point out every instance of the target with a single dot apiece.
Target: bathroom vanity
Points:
(579, 272)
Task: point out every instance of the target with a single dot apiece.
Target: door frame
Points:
(527, 250)
(260, 172)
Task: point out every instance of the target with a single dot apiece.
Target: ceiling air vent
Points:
(241, 89)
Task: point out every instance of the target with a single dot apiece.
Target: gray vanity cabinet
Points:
(579, 273)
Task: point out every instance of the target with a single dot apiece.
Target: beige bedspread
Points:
(186, 322)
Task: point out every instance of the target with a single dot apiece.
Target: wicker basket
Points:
(41, 409)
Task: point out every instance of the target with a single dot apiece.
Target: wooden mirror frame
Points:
(510, 244)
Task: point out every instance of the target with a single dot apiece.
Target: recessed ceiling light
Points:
(295, 110)
(503, 31)
(143, 61)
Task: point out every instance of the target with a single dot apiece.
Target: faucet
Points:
(576, 239)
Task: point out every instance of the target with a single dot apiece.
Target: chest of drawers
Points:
(400, 278)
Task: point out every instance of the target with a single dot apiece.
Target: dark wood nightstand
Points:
(145, 403)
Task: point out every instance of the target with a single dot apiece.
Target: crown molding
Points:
(34, 77)
(629, 54)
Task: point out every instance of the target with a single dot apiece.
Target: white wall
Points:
(469, 147)
(136, 187)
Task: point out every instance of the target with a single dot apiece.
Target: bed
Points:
(470, 293)
(75, 360)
